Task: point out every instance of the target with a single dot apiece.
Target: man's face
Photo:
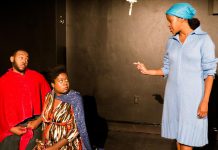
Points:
(19, 61)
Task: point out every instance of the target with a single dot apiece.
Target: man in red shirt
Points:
(22, 93)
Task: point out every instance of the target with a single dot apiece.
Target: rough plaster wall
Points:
(103, 42)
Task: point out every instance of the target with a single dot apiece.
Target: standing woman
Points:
(190, 66)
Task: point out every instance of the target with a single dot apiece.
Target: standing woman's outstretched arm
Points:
(141, 67)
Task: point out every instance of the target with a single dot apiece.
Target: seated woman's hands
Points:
(39, 145)
(34, 123)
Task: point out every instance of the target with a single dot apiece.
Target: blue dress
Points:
(186, 66)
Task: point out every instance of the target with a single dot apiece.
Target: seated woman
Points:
(63, 120)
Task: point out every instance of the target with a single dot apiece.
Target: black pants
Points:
(12, 142)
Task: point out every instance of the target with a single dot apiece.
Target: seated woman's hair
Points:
(55, 71)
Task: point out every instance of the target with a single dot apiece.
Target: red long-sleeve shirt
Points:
(21, 97)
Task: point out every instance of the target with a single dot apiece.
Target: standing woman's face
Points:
(175, 24)
(61, 84)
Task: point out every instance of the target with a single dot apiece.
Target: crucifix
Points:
(131, 3)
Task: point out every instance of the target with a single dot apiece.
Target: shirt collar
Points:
(197, 31)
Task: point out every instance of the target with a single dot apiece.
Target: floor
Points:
(141, 137)
(137, 141)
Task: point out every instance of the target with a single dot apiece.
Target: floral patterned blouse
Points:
(58, 123)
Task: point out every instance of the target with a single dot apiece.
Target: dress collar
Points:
(197, 31)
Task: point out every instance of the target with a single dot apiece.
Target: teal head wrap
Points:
(182, 10)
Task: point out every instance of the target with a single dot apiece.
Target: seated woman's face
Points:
(61, 84)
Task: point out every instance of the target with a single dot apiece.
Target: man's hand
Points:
(18, 130)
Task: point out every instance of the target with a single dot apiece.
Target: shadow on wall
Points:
(158, 98)
(212, 118)
(96, 126)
